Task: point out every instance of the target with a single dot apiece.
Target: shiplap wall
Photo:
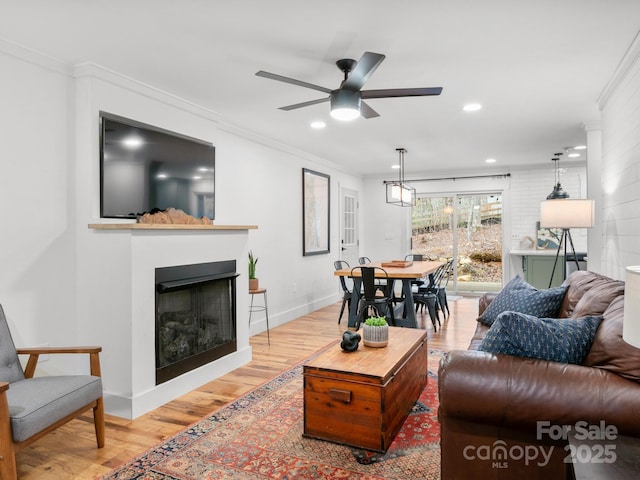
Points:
(620, 106)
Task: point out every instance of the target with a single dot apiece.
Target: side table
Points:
(260, 308)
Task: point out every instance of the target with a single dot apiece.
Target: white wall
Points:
(620, 106)
(37, 284)
(264, 185)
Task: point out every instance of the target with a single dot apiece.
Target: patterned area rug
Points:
(259, 436)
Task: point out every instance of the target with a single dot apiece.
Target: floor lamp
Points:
(566, 213)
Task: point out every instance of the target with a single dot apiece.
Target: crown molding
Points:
(90, 70)
(34, 57)
(628, 62)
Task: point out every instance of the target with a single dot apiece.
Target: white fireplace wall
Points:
(116, 269)
(122, 304)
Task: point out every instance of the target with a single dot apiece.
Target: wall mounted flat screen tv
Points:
(143, 168)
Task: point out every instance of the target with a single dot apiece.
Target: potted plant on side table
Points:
(375, 332)
(253, 281)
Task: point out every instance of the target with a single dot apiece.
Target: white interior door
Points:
(349, 241)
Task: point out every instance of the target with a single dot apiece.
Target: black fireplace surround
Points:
(195, 316)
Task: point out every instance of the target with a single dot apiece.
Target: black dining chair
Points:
(434, 294)
(427, 295)
(346, 292)
(441, 287)
(380, 284)
(370, 302)
(429, 299)
(417, 257)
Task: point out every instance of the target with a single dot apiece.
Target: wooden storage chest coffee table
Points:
(362, 398)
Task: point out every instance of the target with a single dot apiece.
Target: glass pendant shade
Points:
(399, 193)
(557, 193)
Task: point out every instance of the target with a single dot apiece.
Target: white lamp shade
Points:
(631, 325)
(566, 213)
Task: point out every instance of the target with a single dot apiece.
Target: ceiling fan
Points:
(346, 101)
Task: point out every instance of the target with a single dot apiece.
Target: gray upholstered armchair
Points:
(32, 407)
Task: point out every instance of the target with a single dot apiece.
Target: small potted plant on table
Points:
(253, 281)
(375, 332)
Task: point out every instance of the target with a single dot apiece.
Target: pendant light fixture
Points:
(557, 192)
(399, 193)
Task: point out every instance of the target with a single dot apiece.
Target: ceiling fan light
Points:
(345, 105)
(345, 114)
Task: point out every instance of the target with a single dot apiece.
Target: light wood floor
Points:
(70, 452)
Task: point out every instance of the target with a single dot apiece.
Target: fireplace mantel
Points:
(167, 226)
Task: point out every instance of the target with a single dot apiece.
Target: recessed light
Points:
(395, 166)
(573, 155)
(132, 142)
(490, 160)
(162, 175)
(318, 124)
(472, 107)
(580, 147)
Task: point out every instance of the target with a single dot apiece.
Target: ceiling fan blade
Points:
(401, 92)
(364, 69)
(305, 104)
(367, 112)
(292, 81)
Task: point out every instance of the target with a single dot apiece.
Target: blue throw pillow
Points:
(519, 296)
(565, 340)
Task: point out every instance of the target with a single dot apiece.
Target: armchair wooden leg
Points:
(8, 462)
(98, 420)
(7, 453)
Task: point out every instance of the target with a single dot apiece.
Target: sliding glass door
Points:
(465, 227)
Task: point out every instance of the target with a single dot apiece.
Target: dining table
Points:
(404, 271)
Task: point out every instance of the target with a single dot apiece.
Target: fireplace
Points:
(195, 316)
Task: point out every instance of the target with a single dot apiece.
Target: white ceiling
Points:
(537, 67)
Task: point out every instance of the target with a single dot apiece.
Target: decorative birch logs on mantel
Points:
(172, 216)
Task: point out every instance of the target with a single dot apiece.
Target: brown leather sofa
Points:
(501, 416)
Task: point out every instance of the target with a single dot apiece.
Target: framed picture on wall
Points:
(315, 212)
(548, 238)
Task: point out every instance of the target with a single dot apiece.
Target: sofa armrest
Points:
(520, 392)
(485, 300)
